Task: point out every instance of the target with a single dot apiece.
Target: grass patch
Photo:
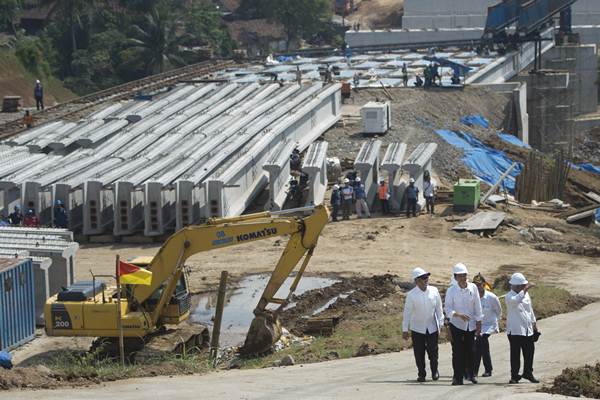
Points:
(577, 382)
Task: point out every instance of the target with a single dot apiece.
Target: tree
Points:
(8, 13)
(254, 9)
(203, 22)
(156, 40)
(300, 18)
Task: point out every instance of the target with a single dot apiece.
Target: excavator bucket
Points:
(264, 332)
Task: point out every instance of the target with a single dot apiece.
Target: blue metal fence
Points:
(17, 303)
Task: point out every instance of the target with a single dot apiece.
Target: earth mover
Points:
(154, 317)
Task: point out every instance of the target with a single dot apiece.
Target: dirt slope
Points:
(378, 14)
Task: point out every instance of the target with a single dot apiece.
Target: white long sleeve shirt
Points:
(465, 301)
(423, 310)
(519, 314)
(492, 312)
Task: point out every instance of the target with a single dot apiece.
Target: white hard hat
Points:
(518, 279)
(418, 272)
(357, 179)
(460, 268)
(336, 187)
(37, 81)
(346, 180)
(412, 180)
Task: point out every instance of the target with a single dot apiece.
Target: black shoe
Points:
(473, 379)
(514, 379)
(421, 379)
(487, 374)
(456, 382)
(435, 376)
(531, 378)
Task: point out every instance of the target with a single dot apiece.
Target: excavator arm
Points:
(167, 264)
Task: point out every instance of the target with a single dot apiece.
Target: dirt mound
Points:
(577, 382)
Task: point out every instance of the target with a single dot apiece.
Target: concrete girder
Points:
(278, 168)
(367, 166)
(315, 166)
(29, 135)
(59, 143)
(30, 196)
(159, 209)
(189, 203)
(392, 163)
(417, 163)
(128, 209)
(98, 208)
(38, 144)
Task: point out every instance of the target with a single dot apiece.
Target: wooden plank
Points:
(493, 188)
(583, 215)
(593, 196)
(483, 221)
(579, 210)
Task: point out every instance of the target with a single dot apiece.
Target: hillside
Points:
(378, 14)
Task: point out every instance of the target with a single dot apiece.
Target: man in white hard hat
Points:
(521, 328)
(463, 308)
(423, 316)
(412, 194)
(347, 198)
(362, 208)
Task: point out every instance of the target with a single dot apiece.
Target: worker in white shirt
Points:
(429, 189)
(463, 308)
(423, 316)
(492, 312)
(521, 328)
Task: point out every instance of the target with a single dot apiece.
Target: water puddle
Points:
(331, 301)
(241, 301)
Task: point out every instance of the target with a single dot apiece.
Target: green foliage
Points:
(252, 9)
(8, 13)
(31, 52)
(203, 22)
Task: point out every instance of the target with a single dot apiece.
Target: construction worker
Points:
(492, 312)
(38, 94)
(347, 199)
(360, 195)
(31, 219)
(412, 194)
(463, 307)
(28, 120)
(521, 328)
(404, 75)
(356, 80)
(418, 81)
(336, 202)
(429, 189)
(423, 316)
(61, 218)
(383, 195)
(295, 161)
(15, 218)
(298, 76)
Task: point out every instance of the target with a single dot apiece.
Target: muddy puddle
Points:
(242, 300)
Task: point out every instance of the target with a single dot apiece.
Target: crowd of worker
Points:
(31, 219)
(471, 313)
(351, 195)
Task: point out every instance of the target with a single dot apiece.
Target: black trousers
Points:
(482, 352)
(429, 204)
(520, 344)
(462, 352)
(334, 212)
(411, 206)
(39, 103)
(427, 342)
(346, 208)
(385, 207)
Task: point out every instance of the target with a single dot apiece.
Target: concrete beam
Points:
(392, 163)
(315, 166)
(367, 166)
(159, 209)
(278, 168)
(417, 163)
(128, 209)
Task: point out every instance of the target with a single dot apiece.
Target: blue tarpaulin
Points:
(512, 139)
(486, 163)
(472, 120)
(588, 167)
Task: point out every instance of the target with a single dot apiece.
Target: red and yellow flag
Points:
(130, 274)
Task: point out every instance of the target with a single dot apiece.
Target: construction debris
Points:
(483, 221)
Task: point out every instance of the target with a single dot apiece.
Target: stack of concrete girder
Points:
(315, 166)
(230, 192)
(278, 168)
(415, 166)
(52, 252)
(392, 163)
(367, 166)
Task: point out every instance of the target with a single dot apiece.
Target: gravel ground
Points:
(416, 114)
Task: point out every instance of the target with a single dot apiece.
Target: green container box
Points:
(466, 195)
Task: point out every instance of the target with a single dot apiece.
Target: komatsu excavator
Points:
(156, 313)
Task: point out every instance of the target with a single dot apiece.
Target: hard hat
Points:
(59, 202)
(518, 279)
(382, 181)
(30, 211)
(37, 81)
(17, 207)
(412, 180)
(336, 187)
(357, 179)
(460, 268)
(418, 272)
(346, 180)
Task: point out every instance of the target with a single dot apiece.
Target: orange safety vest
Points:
(382, 191)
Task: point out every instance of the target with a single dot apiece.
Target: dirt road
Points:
(389, 376)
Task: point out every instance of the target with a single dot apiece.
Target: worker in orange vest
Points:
(383, 195)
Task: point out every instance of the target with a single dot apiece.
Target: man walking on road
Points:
(423, 316)
(463, 308)
(492, 312)
(521, 328)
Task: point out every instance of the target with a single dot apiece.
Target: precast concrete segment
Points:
(36, 145)
(34, 133)
(19, 162)
(159, 209)
(241, 180)
(128, 209)
(184, 204)
(416, 164)
(31, 173)
(392, 163)
(375, 38)
(367, 166)
(60, 142)
(30, 197)
(92, 208)
(106, 111)
(278, 168)
(315, 166)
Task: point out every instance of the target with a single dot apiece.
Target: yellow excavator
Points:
(152, 317)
